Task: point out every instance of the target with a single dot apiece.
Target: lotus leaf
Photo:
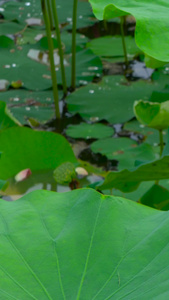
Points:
(126, 151)
(118, 94)
(82, 245)
(88, 131)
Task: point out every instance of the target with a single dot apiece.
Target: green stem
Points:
(50, 14)
(73, 79)
(105, 25)
(161, 142)
(56, 21)
(123, 42)
(51, 58)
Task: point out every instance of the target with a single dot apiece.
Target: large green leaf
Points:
(24, 148)
(118, 95)
(129, 180)
(152, 23)
(82, 245)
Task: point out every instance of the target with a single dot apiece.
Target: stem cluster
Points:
(51, 21)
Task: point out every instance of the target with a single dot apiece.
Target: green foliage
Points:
(29, 64)
(150, 135)
(125, 151)
(24, 104)
(118, 94)
(83, 244)
(111, 46)
(75, 237)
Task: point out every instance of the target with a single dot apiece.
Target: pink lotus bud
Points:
(22, 175)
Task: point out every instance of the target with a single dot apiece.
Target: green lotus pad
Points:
(89, 131)
(152, 22)
(82, 244)
(111, 99)
(29, 65)
(152, 114)
(25, 104)
(21, 11)
(125, 150)
(36, 150)
(112, 46)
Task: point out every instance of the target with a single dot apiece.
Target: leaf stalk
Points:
(123, 41)
(51, 58)
(73, 71)
(56, 22)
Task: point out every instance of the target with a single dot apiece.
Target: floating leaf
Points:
(150, 135)
(88, 131)
(118, 94)
(30, 66)
(112, 46)
(25, 104)
(124, 150)
(31, 13)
